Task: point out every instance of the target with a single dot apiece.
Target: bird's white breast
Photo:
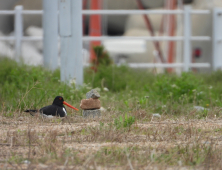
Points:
(48, 116)
(64, 111)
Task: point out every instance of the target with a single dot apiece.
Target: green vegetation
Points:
(24, 86)
(102, 56)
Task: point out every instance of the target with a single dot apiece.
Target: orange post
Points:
(94, 28)
(171, 5)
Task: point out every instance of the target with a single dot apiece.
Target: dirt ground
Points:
(29, 139)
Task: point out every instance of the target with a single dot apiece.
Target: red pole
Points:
(150, 28)
(171, 5)
(95, 28)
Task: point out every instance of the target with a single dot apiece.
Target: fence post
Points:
(18, 29)
(71, 41)
(50, 37)
(217, 39)
(187, 38)
(77, 41)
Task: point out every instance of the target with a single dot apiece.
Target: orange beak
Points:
(67, 104)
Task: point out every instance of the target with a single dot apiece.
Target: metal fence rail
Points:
(147, 38)
(170, 65)
(130, 12)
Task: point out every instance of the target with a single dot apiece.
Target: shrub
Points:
(175, 86)
(102, 56)
(113, 77)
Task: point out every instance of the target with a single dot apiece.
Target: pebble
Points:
(87, 104)
(157, 115)
(92, 94)
(91, 113)
(200, 108)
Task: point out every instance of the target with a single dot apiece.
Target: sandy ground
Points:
(210, 128)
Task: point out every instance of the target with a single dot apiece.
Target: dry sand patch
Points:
(87, 146)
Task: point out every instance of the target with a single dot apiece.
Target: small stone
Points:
(92, 94)
(105, 89)
(102, 109)
(157, 115)
(200, 108)
(20, 119)
(26, 162)
(43, 166)
(91, 113)
(87, 104)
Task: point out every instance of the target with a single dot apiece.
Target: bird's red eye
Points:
(60, 98)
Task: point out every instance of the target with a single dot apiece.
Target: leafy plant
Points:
(102, 56)
(125, 123)
(202, 114)
(113, 77)
(128, 121)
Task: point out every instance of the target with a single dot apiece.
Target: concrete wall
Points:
(6, 21)
(31, 20)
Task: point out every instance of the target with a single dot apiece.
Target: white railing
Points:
(18, 28)
(147, 38)
(187, 38)
(167, 65)
(29, 12)
(137, 12)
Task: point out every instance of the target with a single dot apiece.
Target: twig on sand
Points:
(9, 144)
(128, 159)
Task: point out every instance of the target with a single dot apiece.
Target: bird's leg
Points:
(62, 120)
(68, 121)
(42, 117)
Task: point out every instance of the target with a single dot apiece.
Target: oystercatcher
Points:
(57, 109)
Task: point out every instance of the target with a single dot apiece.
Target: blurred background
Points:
(122, 25)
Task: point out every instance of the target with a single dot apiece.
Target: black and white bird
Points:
(57, 109)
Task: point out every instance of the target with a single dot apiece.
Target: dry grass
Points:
(79, 143)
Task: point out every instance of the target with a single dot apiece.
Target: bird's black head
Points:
(58, 101)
